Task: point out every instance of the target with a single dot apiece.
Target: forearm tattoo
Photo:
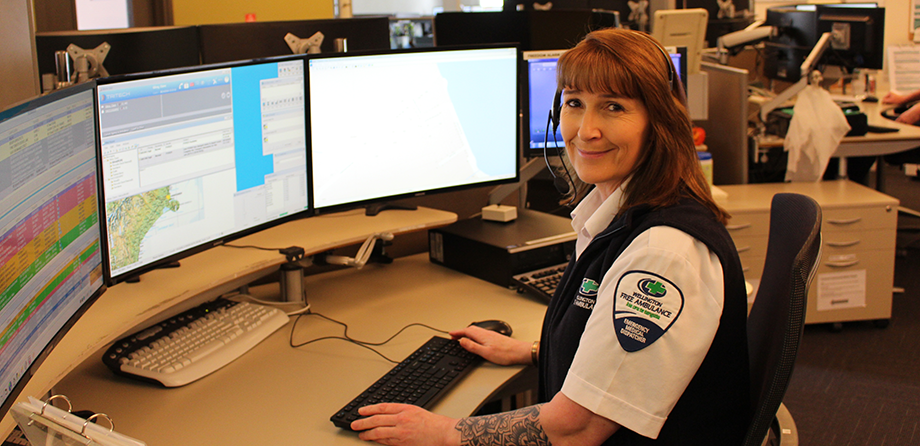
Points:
(519, 427)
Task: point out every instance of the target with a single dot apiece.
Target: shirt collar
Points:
(594, 213)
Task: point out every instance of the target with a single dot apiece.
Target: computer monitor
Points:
(683, 27)
(725, 16)
(405, 123)
(196, 157)
(859, 35)
(858, 42)
(539, 85)
(540, 88)
(50, 254)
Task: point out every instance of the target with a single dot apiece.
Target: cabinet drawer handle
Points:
(744, 249)
(745, 269)
(845, 222)
(842, 264)
(843, 244)
(737, 227)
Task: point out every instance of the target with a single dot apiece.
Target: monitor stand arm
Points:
(530, 170)
(373, 209)
(809, 76)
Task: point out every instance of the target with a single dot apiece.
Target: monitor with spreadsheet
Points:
(539, 85)
(50, 253)
(405, 123)
(195, 157)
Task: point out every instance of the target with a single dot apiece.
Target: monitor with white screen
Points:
(196, 157)
(407, 123)
(50, 253)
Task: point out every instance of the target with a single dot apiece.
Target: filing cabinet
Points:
(855, 278)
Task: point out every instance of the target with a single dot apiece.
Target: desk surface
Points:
(276, 394)
(871, 144)
(205, 276)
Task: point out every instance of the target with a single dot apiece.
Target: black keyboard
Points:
(881, 129)
(542, 282)
(420, 379)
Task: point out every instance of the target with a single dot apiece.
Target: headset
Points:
(564, 186)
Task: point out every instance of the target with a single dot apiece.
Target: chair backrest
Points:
(777, 316)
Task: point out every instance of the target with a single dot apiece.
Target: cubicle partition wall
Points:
(133, 50)
(726, 128)
(534, 30)
(237, 41)
(139, 50)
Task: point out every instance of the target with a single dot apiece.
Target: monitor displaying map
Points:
(195, 157)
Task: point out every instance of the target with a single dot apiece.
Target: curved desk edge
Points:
(276, 394)
(217, 271)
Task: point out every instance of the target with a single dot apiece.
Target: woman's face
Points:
(604, 135)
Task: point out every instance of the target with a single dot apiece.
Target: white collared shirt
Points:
(638, 389)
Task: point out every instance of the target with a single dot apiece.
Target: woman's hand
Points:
(493, 347)
(403, 424)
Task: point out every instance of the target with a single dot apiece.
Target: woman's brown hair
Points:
(632, 64)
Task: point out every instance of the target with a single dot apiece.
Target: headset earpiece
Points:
(557, 109)
(667, 58)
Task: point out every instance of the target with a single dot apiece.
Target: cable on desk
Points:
(345, 337)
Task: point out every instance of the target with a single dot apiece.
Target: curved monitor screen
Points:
(50, 255)
(400, 124)
(196, 157)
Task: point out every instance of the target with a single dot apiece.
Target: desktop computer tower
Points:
(496, 251)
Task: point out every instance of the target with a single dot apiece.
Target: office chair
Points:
(777, 316)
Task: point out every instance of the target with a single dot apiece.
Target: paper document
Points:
(904, 68)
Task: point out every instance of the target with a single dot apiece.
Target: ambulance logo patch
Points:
(646, 307)
(587, 294)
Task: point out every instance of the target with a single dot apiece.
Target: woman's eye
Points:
(614, 107)
(573, 103)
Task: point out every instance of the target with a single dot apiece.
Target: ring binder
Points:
(50, 399)
(43, 423)
(92, 417)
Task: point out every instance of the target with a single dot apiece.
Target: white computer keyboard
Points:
(194, 343)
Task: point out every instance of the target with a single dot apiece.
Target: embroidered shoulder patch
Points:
(646, 305)
(587, 294)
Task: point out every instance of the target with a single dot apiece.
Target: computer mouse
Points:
(495, 325)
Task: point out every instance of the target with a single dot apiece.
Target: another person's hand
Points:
(894, 97)
(911, 115)
(493, 347)
(403, 424)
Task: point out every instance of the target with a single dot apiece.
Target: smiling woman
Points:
(644, 341)
(604, 136)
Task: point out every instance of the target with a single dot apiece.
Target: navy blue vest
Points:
(715, 407)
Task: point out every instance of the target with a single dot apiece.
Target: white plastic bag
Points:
(817, 126)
